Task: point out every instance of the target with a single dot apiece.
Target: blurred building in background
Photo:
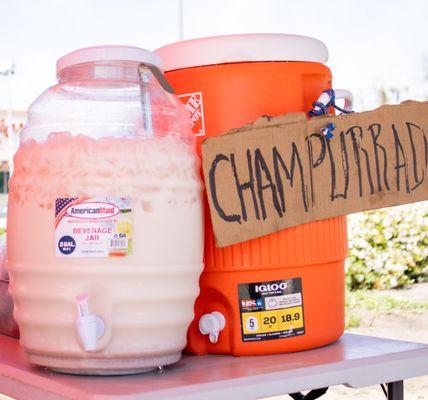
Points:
(11, 124)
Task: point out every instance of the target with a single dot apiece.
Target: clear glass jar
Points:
(105, 227)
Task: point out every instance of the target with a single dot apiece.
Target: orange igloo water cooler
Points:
(285, 291)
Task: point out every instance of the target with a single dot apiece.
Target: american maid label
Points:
(93, 227)
(95, 210)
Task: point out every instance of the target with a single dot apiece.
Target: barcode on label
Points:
(118, 243)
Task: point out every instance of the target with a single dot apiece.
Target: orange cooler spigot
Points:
(284, 291)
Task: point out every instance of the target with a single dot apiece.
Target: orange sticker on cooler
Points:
(271, 310)
(195, 106)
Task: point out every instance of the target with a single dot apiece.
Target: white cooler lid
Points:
(242, 48)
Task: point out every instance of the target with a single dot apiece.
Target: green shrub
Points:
(388, 248)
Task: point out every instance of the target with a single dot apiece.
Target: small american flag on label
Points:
(63, 202)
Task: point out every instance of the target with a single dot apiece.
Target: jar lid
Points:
(242, 48)
(108, 53)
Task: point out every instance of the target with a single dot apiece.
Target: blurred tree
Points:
(391, 95)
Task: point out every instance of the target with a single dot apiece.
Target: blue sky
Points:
(371, 43)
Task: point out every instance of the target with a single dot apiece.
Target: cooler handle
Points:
(328, 99)
(348, 97)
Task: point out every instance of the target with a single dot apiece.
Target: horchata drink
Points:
(105, 227)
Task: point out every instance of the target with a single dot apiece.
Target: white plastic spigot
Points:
(212, 324)
(90, 327)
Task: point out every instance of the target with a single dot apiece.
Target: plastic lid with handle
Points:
(242, 48)
(108, 53)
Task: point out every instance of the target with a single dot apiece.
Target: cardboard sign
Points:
(281, 172)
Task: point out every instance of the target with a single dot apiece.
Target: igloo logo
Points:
(270, 287)
(195, 106)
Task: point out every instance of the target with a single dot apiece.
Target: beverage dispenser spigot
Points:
(90, 327)
(212, 324)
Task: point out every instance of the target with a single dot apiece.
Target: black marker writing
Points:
(213, 188)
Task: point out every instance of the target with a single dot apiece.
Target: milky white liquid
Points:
(145, 299)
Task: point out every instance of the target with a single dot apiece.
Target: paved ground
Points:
(397, 324)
